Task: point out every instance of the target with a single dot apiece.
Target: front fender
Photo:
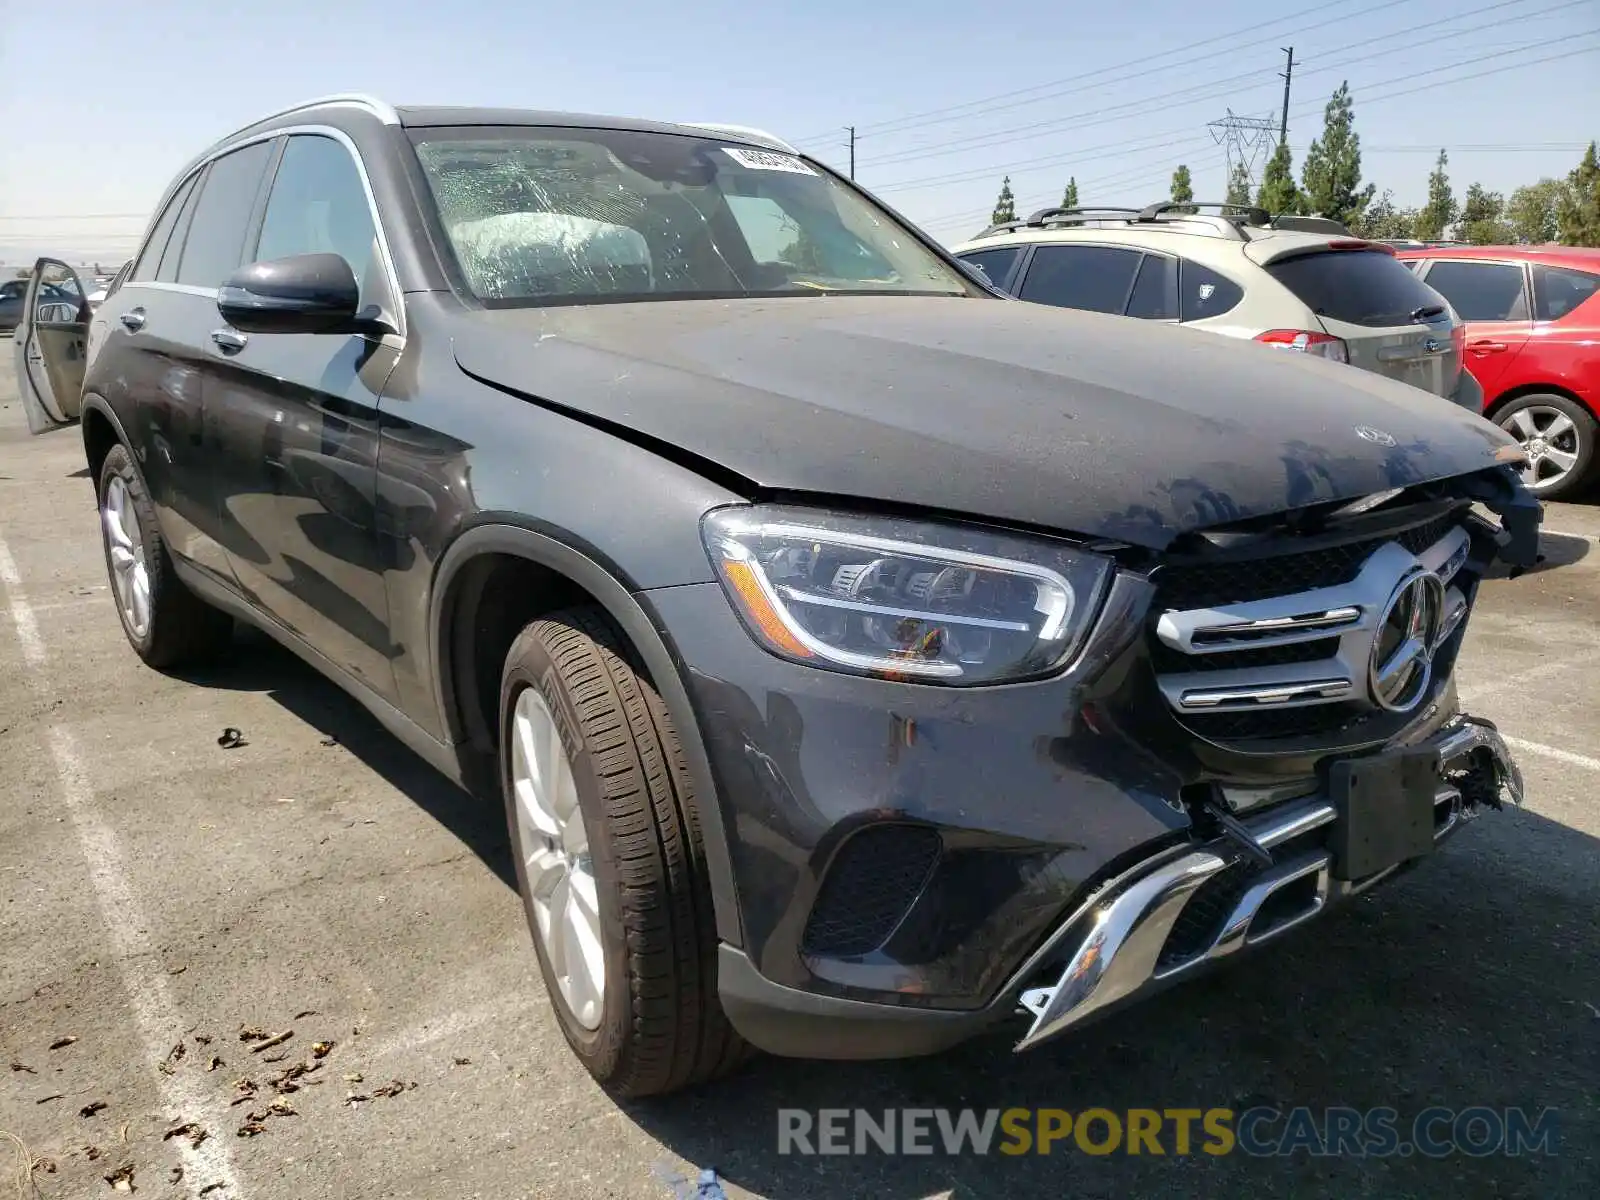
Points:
(649, 641)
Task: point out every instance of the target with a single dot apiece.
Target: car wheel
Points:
(609, 860)
(1559, 436)
(166, 623)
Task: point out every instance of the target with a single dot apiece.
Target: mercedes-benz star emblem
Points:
(1401, 665)
(1376, 436)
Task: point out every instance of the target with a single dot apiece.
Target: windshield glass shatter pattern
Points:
(539, 215)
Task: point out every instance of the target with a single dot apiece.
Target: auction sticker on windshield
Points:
(766, 160)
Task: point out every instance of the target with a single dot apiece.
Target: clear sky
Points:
(101, 103)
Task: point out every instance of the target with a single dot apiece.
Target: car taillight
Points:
(1303, 340)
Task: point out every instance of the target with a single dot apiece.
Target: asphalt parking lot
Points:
(160, 895)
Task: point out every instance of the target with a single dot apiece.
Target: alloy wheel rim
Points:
(130, 571)
(554, 844)
(1550, 438)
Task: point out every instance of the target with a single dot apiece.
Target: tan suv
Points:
(1297, 283)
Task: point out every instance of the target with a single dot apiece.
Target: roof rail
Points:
(378, 108)
(1251, 213)
(1060, 216)
(1082, 213)
(743, 131)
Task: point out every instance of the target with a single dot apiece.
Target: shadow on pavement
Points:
(258, 664)
(1555, 550)
(1470, 981)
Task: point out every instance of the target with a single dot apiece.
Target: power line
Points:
(1222, 88)
(76, 217)
(1370, 100)
(1060, 158)
(1118, 70)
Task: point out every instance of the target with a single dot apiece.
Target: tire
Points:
(652, 1022)
(1527, 418)
(174, 627)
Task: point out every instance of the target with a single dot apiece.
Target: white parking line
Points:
(160, 1025)
(21, 615)
(1478, 690)
(1566, 756)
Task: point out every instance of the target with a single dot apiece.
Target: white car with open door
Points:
(51, 343)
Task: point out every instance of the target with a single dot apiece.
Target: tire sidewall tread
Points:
(662, 1028)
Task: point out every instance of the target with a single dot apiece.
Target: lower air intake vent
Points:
(871, 883)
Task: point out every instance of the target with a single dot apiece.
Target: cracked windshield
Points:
(548, 216)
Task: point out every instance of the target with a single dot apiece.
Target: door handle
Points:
(229, 340)
(133, 320)
(1486, 347)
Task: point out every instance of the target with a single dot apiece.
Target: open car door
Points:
(51, 342)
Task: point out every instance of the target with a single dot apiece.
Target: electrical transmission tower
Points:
(1246, 140)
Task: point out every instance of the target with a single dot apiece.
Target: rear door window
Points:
(215, 244)
(150, 258)
(1206, 293)
(995, 264)
(167, 272)
(1092, 278)
(1559, 290)
(1358, 287)
(1482, 291)
(1155, 291)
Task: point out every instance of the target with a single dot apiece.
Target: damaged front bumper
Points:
(1188, 908)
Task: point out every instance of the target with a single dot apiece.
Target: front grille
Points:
(1314, 720)
(1207, 585)
(1253, 706)
(871, 883)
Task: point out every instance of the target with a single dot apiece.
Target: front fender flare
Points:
(659, 660)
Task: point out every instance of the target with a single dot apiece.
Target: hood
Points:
(1012, 412)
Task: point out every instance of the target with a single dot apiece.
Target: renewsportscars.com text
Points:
(1475, 1132)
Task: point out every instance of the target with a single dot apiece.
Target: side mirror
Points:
(305, 293)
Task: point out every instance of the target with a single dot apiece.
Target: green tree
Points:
(1182, 186)
(1440, 209)
(1482, 218)
(1278, 193)
(803, 251)
(1383, 220)
(1069, 198)
(1531, 211)
(1331, 175)
(1005, 208)
(1578, 209)
(1239, 184)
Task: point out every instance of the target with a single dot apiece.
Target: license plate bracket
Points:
(1385, 810)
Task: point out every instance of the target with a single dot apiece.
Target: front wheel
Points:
(609, 860)
(1559, 436)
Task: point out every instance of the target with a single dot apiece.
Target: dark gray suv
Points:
(862, 658)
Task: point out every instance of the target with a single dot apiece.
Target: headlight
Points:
(902, 599)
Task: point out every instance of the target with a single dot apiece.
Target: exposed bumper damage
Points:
(1188, 908)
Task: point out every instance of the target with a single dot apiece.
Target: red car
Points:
(1532, 318)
